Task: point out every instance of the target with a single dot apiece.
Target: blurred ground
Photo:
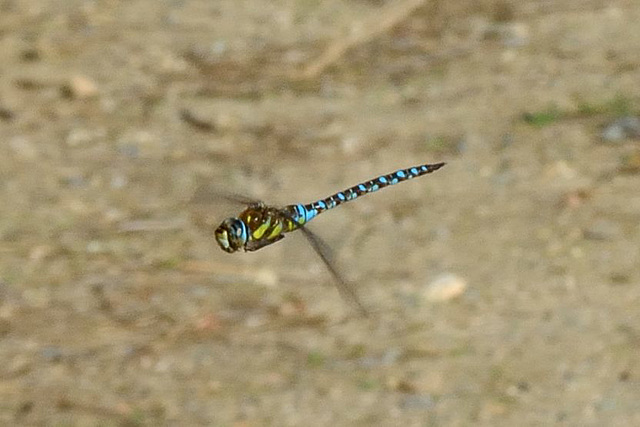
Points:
(118, 308)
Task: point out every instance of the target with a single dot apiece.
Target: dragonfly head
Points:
(232, 234)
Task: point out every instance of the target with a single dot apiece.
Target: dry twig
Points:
(382, 21)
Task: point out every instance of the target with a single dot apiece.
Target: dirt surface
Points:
(122, 122)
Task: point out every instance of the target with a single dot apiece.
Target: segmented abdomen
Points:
(305, 213)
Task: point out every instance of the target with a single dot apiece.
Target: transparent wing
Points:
(204, 195)
(238, 198)
(346, 291)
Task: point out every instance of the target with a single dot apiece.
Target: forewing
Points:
(204, 195)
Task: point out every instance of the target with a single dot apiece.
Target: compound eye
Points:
(237, 229)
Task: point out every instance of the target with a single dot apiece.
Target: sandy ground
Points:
(122, 122)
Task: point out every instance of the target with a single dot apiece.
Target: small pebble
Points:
(511, 34)
(51, 354)
(266, 277)
(24, 148)
(80, 87)
(77, 137)
(39, 253)
(602, 229)
(417, 402)
(516, 35)
(388, 358)
(562, 170)
(75, 181)
(129, 150)
(445, 288)
(95, 247)
(623, 128)
(118, 181)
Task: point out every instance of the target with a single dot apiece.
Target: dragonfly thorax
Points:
(232, 234)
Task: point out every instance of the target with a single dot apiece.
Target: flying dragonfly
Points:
(261, 225)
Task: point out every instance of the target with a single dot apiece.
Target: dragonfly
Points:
(261, 225)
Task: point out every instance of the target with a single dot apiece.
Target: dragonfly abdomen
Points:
(305, 213)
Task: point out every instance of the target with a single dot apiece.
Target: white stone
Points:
(445, 288)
